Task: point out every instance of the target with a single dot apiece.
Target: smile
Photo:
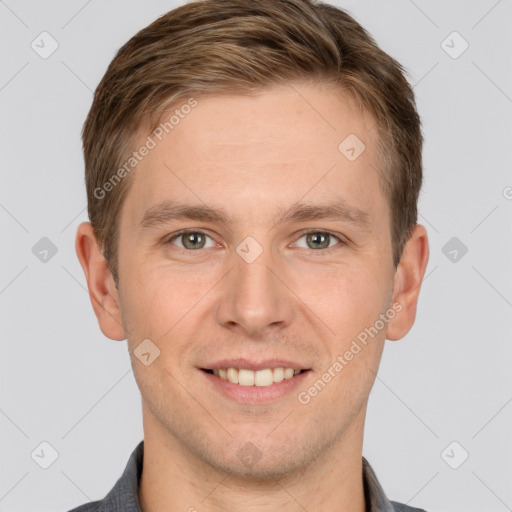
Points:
(261, 385)
(261, 378)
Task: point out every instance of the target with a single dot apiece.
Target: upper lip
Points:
(254, 365)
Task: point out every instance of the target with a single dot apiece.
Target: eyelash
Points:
(176, 235)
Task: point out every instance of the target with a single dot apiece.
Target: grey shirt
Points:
(124, 495)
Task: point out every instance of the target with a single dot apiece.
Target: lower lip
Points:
(256, 394)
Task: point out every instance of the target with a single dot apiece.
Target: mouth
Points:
(254, 380)
(261, 378)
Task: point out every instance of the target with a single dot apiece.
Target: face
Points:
(267, 283)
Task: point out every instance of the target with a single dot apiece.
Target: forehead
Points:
(253, 154)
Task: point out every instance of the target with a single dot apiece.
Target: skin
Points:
(250, 156)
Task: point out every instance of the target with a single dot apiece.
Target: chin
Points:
(264, 459)
(263, 470)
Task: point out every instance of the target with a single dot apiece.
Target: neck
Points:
(176, 480)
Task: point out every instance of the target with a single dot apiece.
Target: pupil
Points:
(318, 238)
(193, 239)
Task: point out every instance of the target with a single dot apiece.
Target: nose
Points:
(255, 298)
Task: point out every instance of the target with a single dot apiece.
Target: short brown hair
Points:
(208, 47)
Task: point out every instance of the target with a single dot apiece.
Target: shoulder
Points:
(93, 506)
(400, 507)
(123, 496)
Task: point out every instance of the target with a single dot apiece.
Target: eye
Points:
(190, 239)
(194, 240)
(319, 239)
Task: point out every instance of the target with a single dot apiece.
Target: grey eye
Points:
(192, 240)
(318, 240)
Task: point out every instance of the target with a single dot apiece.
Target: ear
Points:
(407, 283)
(102, 290)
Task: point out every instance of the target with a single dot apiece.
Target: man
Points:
(253, 170)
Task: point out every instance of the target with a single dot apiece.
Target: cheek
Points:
(154, 299)
(351, 304)
(348, 299)
(167, 304)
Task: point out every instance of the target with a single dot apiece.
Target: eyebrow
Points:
(166, 212)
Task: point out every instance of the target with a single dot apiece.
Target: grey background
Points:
(449, 380)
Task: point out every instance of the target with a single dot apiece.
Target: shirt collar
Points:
(376, 499)
(124, 495)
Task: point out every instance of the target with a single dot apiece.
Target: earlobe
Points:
(408, 279)
(102, 291)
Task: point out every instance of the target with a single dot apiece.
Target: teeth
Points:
(233, 375)
(246, 378)
(263, 377)
(260, 378)
(278, 374)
